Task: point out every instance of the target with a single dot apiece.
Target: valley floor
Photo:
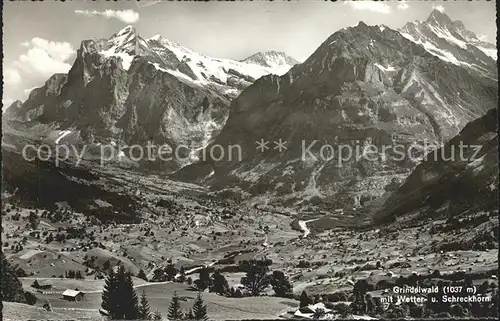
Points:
(184, 224)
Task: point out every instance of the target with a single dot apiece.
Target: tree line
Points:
(120, 301)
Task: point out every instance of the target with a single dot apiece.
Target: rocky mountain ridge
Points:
(453, 180)
(451, 41)
(127, 89)
(364, 85)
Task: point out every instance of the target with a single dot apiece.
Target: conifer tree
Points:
(157, 315)
(142, 275)
(305, 300)
(174, 311)
(119, 298)
(189, 315)
(144, 310)
(128, 296)
(109, 295)
(11, 287)
(200, 309)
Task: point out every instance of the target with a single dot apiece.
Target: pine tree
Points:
(12, 288)
(110, 295)
(128, 296)
(144, 311)
(199, 309)
(305, 300)
(189, 315)
(157, 315)
(174, 311)
(142, 275)
(119, 297)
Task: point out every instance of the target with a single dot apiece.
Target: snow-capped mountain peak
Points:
(205, 70)
(450, 41)
(272, 59)
(438, 17)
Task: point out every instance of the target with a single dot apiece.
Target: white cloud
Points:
(11, 77)
(402, 6)
(439, 7)
(45, 57)
(126, 16)
(42, 59)
(373, 6)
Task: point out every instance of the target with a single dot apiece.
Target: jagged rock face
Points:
(452, 182)
(364, 84)
(451, 41)
(131, 90)
(12, 112)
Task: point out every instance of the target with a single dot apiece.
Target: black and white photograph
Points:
(249, 160)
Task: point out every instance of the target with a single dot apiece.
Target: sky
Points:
(41, 38)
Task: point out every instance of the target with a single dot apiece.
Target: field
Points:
(321, 252)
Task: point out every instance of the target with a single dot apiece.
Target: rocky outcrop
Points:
(461, 176)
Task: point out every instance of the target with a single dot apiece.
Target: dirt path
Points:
(305, 229)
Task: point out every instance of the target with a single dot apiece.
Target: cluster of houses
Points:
(69, 294)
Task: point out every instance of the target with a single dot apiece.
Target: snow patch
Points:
(493, 53)
(388, 68)
(125, 57)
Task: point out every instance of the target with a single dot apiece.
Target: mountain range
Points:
(127, 89)
(364, 85)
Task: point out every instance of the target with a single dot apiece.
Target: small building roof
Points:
(43, 282)
(72, 293)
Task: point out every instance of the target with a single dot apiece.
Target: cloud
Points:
(439, 7)
(402, 6)
(373, 6)
(44, 57)
(11, 77)
(126, 16)
(41, 59)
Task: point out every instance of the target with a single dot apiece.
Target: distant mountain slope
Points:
(277, 61)
(443, 187)
(129, 90)
(363, 85)
(451, 41)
